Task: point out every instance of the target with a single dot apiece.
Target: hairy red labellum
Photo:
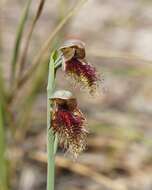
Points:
(82, 72)
(68, 124)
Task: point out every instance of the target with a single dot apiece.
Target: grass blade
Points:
(19, 38)
(3, 94)
(25, 50)
(3, 168)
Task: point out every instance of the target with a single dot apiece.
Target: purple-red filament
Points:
(82, 70)
(68, 122)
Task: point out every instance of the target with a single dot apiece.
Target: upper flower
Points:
(68, 123)
(75, 65)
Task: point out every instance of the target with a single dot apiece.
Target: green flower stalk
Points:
(50, 135)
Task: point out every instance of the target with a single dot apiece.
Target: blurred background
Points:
(118, 37)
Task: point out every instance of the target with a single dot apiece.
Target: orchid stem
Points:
(51, 138)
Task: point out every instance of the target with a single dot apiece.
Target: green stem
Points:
(3, 168)
(19, 38)
(51, 139)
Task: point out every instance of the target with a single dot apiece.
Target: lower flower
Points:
(68, 123)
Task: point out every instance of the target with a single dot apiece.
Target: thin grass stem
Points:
(30, 32)
(19, 39)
